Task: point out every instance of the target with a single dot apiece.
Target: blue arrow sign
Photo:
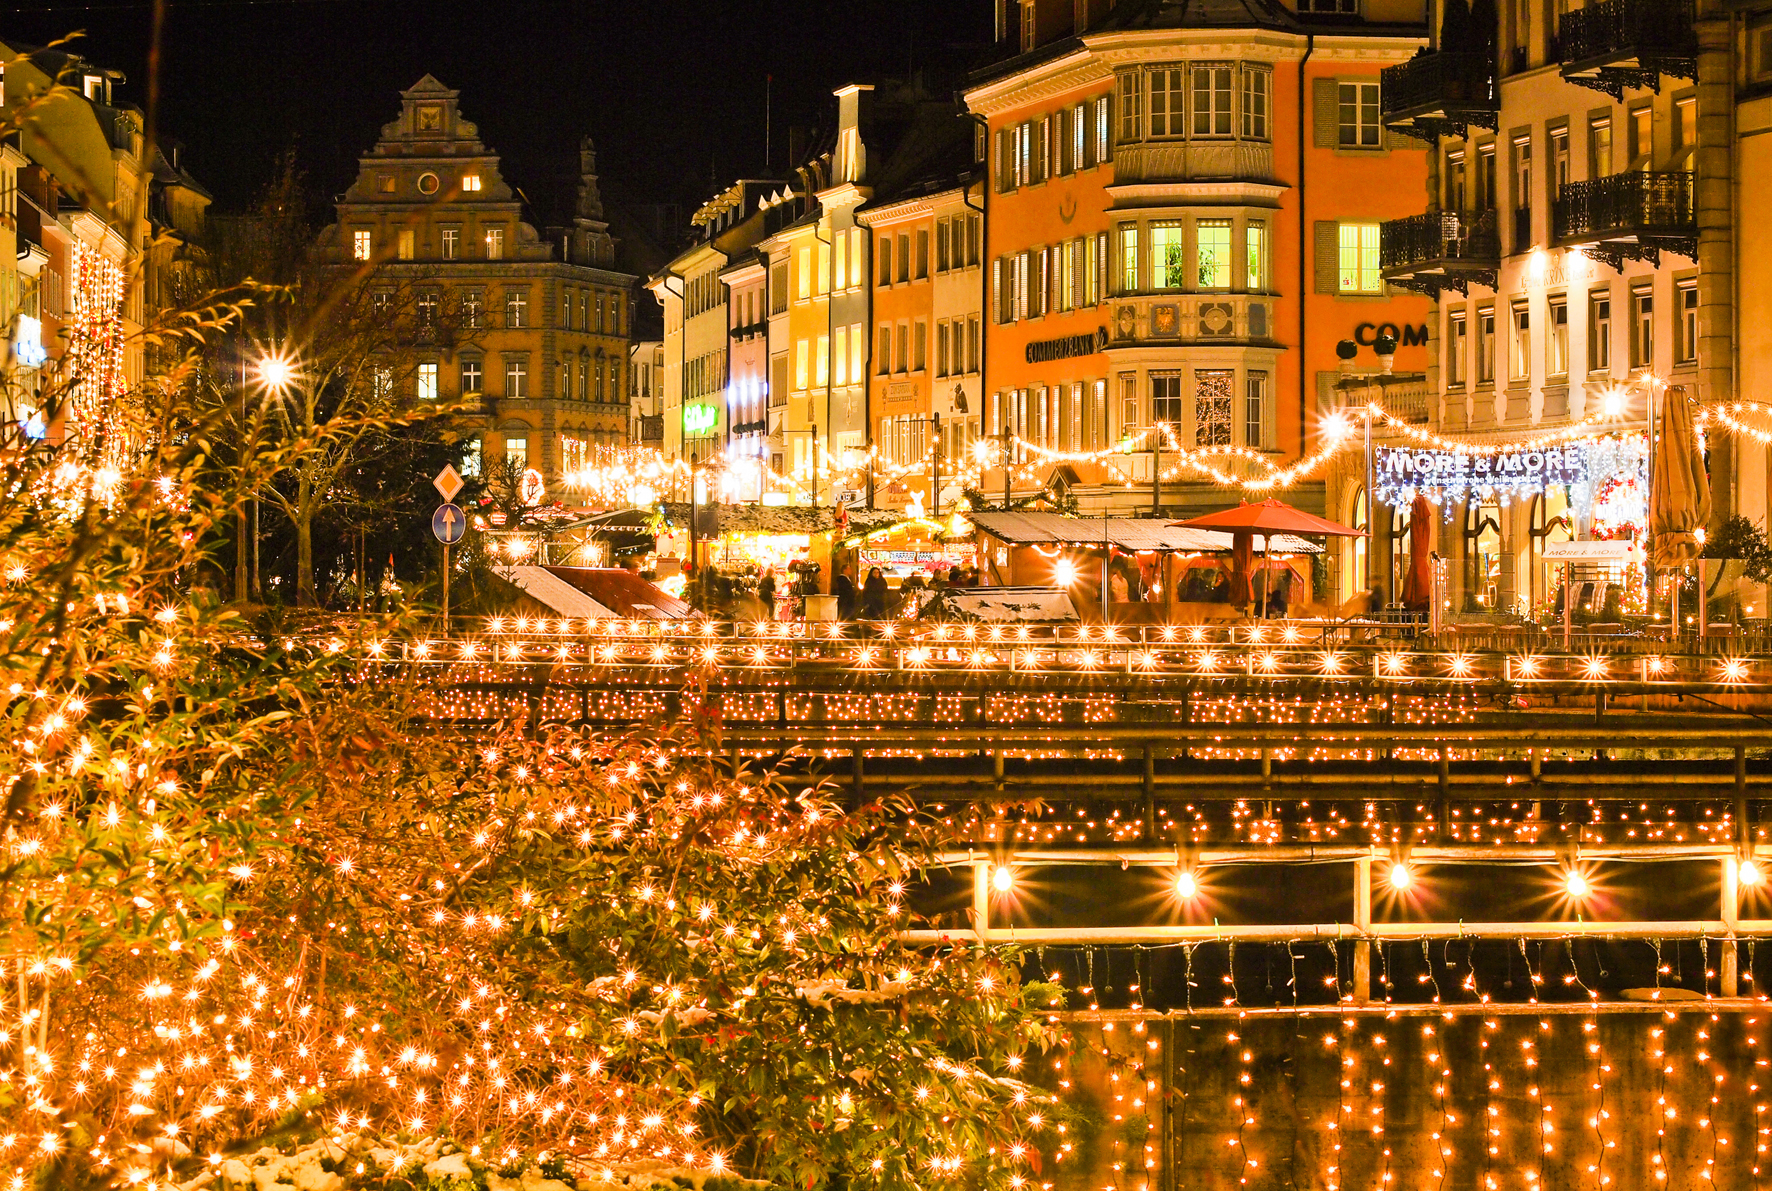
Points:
(449, 523)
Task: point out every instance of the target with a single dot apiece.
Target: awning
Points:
(1031, 605)
(1125, 533)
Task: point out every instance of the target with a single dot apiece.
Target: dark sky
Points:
(671, 89)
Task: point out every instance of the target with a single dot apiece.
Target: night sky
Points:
(672, 90)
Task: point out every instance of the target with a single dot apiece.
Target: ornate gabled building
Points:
(531, 330)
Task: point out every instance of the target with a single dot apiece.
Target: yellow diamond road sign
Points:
(448, 482)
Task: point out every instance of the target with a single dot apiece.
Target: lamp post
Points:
(274, 373)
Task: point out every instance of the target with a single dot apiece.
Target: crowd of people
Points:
(763, 595)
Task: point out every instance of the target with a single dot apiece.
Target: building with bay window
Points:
(527, 332)
(1183, 217)
(1579, 236)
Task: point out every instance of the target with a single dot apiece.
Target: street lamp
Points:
(276, 372)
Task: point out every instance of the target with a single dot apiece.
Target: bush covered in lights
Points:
(248, 900)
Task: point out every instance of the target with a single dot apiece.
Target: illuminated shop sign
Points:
(700, 419)
(27, 342)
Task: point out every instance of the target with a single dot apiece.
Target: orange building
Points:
(1182, 225)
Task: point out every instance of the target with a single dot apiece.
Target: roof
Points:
(620, 593)
(1126, 533)
(1199, 14)
(1031, 604)
(538, 584)
(782, 518)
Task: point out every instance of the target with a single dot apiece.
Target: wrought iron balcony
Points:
(1637, 215)
(1610, 45)
(1441, 94)
(1439, 251)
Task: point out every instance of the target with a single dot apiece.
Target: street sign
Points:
(497, 517)
(449, 523)
(448, 482)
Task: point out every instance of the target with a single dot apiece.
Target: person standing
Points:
(766, 592)
(874, 594)
(843, 587)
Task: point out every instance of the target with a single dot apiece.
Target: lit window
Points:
(361, 245)
(517, 450)
(1255, 248)
(1214, 253)
(1168, 257)
(427, 382)
(495, 243)
(516, 308)
(470, 182)
(470, 376)
(470, 459)
(405, 243)
(451, 243)
(1358, 259)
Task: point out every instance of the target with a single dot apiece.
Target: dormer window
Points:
(470, 182)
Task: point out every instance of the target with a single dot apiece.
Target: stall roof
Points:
(539, 584)
(623, 593)
(1127, 533)
(1034, 605)
(782, 518)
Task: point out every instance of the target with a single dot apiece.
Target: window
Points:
(1128, 258)
(1101, 129)
(495, 243)
(904, 256)
(1332, 6)
(778, 287)
(1359, 116)
(361, 245)
(1254, 256)
(821, 362)
(1455, 182)
(1081, 141)
(404, 242)
(1457, 352)
(451, 243)
(857, 346)
(1686, 134)
(470, 459)
(470, 376)
(1256, 85)
(1128, 404)
(840, 358)
(1521, 360)
(1642, 328)
(857, 237)
(1485, 346)
(1556, 361)
(1642, 137)
(517, 450)
(1686, 308)
(1166, 407)
(841, 263)
(1486, 178)
(1559, 146)
(1212, 407)
(1358, 259)
(470, 182)
(1599, 148)
(516, 308)
(1042, 150)
(516, 377)
(1095, 432)
(943, 348)
(920, 341)
(883, 355)
(1212, 100)
(1599, 332)
(1213, 249)
(473, 309)
(426, 389)
(803, 363)
(427, 309)
(804, 289)
(922, 253)
(381, 383)
(1255, 410)
(885, 260)
(1168, 256)
(1130, 108)
(1522, 194)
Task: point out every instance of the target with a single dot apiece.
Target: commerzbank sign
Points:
(700, 419)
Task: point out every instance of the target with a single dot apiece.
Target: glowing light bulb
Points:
(1003, 878)
(1575, 885)
(276, 372)
(1064, 572)
(1749, 873)
(1401, 877)
(1187, 886)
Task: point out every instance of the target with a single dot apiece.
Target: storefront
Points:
(915, 546)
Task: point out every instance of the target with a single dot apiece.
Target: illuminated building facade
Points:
(530, 331)
(1579, 236)
(1183, 217)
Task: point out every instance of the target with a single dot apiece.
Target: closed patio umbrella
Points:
(1679, 497)
(1418, 582)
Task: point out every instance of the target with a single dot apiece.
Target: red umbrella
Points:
(1418, 581)
(1271, 517)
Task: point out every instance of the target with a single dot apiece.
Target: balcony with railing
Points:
(1440, 94)
(1611, 45)
(1440, 250)
(1637, 215)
